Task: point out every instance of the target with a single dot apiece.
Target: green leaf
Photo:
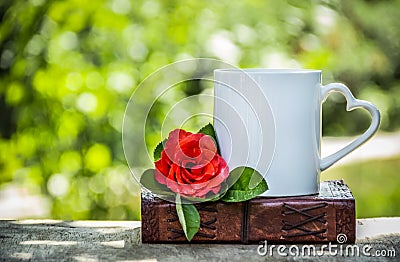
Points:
(245, 187)
(148, 181)
(188, 217)
(209, 130)
(159, 148)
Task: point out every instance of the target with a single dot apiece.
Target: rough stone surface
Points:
(52, 240)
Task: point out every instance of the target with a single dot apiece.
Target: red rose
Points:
(190, 165)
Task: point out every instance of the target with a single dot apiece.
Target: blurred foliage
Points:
(69, 67)
(374, 184)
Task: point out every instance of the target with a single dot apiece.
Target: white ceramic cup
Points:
(270, 120)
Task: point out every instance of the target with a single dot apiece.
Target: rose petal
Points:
(160, 177)
(203, 192)
(172, 185)
(205, 158)
(186, 176)
(196, 170)
(208, 173)
(216, 189)
(190, 165)
(162, 166)
(199, 186)
(178, 174)
(172, 144)
(207, 143)
(171, 179)
(165, 157)
(187, 189)
(194, 174)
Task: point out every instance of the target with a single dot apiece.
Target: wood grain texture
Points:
(36, 240)
(150, 229)
(44, 240)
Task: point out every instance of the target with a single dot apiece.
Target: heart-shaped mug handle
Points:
(352, 103)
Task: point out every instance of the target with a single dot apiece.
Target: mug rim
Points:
(268, 70)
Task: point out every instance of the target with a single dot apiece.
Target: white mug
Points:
(270, 120)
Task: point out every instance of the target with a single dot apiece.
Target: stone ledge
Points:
(120, 240)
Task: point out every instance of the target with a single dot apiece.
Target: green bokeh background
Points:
(69, 67)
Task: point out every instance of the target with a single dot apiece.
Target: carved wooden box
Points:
(317, 218)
